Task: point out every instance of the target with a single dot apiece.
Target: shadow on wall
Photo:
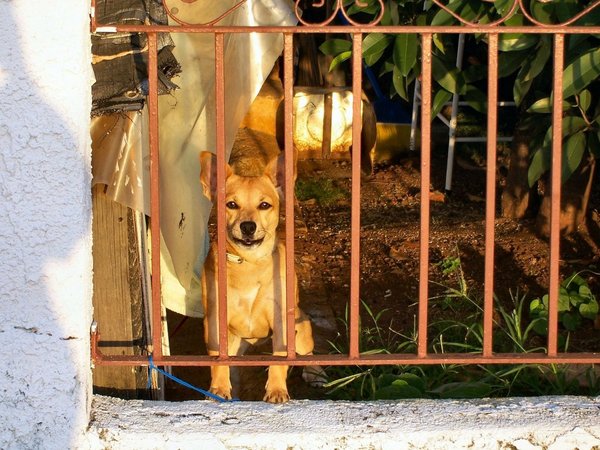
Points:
(45, 269)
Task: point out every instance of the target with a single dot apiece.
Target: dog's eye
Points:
(231, 205)
(264, 205)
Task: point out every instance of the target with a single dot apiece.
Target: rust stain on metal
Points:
(490, 195)
(425, 200)
(555, 173)
(355, 204)
(154, 192)
(221, 219)
(288, 68)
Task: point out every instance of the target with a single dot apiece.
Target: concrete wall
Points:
(45, 223)
(546, 423)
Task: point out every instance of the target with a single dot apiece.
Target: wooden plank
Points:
(117, 296)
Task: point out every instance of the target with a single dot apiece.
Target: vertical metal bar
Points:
(288, 99)
(221, 219)
(490, 194)
(355, 207)
(425, 181)
(555, 173)
(154, 194)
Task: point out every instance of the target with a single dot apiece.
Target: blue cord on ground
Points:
(151, 366)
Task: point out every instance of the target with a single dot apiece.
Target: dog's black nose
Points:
(248, 228)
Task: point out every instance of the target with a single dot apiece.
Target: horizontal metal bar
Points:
(344, 360)
(351, 29)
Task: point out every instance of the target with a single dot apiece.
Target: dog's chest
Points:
(243, 299)
(252, 299)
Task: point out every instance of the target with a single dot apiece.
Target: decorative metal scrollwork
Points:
(518, 5)
(339, 8)
(464, 21)
(570, 21)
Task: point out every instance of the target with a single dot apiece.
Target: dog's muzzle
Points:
(248, 228)
(248, 240)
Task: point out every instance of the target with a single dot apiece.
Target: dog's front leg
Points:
(220, 382)
(276, 388)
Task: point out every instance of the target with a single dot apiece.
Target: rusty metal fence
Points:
(357, 30)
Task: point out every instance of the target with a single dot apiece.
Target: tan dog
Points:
(255, 277)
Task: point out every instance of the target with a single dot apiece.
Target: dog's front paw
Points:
(276, 396)
(222, 392)
(315, 376)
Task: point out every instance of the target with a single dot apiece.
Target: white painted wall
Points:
(45, 223)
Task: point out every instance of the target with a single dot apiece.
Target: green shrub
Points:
(576, 302)
(513, 333)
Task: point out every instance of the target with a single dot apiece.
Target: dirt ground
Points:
(389, 254)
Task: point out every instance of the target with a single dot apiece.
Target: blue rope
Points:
(151, 366)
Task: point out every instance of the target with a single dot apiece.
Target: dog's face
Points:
(252, 211)
(251, 204)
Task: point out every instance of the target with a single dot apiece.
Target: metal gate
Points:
(358, 31)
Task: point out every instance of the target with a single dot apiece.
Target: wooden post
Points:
(117, 299)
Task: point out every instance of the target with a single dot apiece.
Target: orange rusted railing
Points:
(357, 30)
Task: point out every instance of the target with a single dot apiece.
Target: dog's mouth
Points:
(248, 242)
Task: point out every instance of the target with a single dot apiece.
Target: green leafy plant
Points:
(453, 298)
(514, 332)
(516, 329)
(525, 64)
(449, 265)
(576, 302)
(580, 126)
(395, 382)
(362, 383)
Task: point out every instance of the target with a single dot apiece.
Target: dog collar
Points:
(234, 258)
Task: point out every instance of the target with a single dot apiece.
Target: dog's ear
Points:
(208, 173)
(275, 170)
